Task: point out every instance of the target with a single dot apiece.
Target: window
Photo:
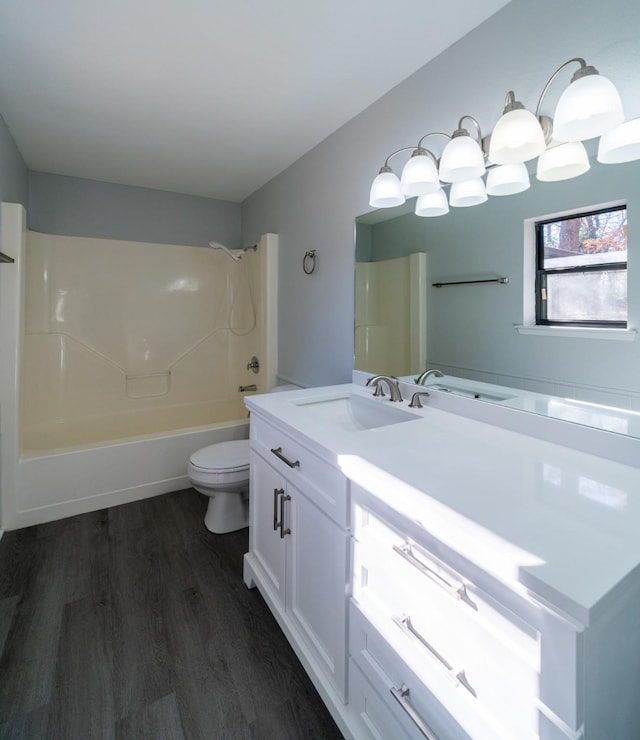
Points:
(581, 269)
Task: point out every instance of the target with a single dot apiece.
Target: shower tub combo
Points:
(119, 360)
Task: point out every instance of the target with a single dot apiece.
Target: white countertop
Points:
(560, 523)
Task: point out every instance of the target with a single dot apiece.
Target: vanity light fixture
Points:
(462, 158)
(590, 106)
(432, 204)
(420, 173)
(508, 179)
(563, 162)
(468, 193)
(621, 144)
(386, 191)
(518, 136)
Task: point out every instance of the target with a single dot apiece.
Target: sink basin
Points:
(468, 392)
(354, 413)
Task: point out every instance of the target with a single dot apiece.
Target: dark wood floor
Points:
(133, 622)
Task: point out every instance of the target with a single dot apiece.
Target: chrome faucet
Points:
(423, 376)
(392, 383)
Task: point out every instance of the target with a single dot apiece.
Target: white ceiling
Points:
(206, 97)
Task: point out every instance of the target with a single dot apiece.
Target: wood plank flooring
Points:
(134, 623)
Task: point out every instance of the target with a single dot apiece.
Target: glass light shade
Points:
(508, 179)
(462, 159)
(588, 107)
(517, 137)
(432, 204)
(386, 191)
(563, 162)
(622, 144)
(468, 193)
(419, 176)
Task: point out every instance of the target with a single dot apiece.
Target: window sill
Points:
(627, 335)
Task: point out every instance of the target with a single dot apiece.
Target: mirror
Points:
(405, 324)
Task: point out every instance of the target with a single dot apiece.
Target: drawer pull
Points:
(276, 492)
(457, 590)
(401, 695)
(458, 677)
(277, 451)
(283, 531)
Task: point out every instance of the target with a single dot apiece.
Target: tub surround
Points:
(119, 360)
(544, 526)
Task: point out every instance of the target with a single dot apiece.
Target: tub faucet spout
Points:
(420, 380)
(392, 384)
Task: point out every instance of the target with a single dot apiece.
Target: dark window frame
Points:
(542, 272)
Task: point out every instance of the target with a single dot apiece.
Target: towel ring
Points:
(309, 262)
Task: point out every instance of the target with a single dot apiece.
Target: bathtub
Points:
(68, 481)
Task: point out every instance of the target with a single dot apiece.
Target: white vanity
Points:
(442, 577)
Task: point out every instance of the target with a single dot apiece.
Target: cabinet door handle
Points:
(457, 590)
(276, 492)
(283, 531)
(401, 695)
(277, 451)
(458, 677)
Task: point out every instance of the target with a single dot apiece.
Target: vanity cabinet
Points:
(452, 654)
(446, 578)
(299, 548)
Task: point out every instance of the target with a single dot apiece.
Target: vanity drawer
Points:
(441, 621)
(391, 701)
(325, 485)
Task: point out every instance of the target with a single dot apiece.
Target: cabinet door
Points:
(317, 600)
(267, 488)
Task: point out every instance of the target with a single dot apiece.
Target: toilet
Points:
(221, 472)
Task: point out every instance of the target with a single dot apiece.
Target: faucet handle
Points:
(415, 399)
(376, 382)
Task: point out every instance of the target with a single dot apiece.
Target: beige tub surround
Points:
(112, 343)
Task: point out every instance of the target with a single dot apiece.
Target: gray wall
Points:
(312, 204)
(13, 171)
(79, 207)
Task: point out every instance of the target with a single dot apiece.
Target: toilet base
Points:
(228, 511)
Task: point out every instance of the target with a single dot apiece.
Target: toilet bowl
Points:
(221, 472)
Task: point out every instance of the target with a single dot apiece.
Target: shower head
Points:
(217, 245)
(233, 253)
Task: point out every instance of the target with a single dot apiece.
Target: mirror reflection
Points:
(484, 332)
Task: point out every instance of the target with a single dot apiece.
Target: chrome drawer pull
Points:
(458, 677)
(283, 531)
(278, 453)
(458, 591)
(401, 695)
(276, 492)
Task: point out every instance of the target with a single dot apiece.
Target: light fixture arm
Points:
(432, 133)
(385, 167)
(582, 71)
(510, 103)
(461, 131)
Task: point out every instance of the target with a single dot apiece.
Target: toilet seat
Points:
(221, 464)
(225, 457)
